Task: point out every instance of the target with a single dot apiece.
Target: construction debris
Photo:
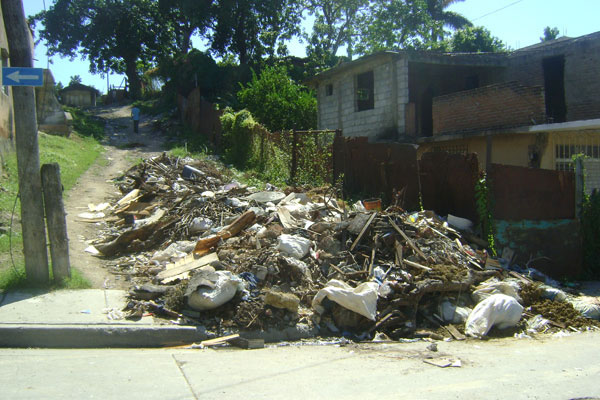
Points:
(202, 249)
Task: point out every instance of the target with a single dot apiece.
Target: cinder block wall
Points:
(582, 73)
(496, 106)
(338, 110)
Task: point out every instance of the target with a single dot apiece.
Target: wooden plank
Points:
(219, 340)
(190, 264)
(247, 343)
(204, 245)
(408, 240)
(416, 265)
(455, 332)
(363, 231)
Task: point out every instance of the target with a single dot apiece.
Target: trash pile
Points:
(202, 249)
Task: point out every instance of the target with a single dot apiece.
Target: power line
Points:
(495, 11)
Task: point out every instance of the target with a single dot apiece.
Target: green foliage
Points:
(268, 157)
(441, 18)
(86, 124)
(476, 40)
(550, 34)
(396, 24)
(238, 135)
(15, 278)
(277, 102)
(74, 155)
(75, 79)
(254, 29)
(483, 201)
(125, 36)
(590, 227)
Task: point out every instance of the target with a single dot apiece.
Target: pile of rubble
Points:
(202, 249)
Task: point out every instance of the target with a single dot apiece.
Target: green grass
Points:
(15, 279)
(74, 155)
(85, 124)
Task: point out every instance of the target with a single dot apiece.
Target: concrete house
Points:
(535, 107)
(7, 129)
(79, 95)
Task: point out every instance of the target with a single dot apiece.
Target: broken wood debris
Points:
(168, 228)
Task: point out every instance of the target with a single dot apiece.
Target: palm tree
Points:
(436, 9)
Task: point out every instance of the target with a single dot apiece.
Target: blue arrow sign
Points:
(21, 76)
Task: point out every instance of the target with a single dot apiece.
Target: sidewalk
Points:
(80, 319)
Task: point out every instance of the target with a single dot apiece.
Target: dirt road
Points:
(122, 149)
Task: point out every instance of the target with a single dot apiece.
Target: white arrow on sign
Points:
(17, 77)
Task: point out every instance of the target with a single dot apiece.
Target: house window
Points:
(364, 91)
(4, 57)
(329, 89)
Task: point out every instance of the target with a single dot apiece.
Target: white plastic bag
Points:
(454, 314)
(497, 310)
(214, 290)
(361, 300)
(495, 286)
(589, 307)
(294, 246)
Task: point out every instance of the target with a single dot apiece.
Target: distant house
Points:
(79, 95)
(7, 128)
(536, 107)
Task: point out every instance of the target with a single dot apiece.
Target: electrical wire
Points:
(495, 11)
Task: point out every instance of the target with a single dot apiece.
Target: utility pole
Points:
(28, 160)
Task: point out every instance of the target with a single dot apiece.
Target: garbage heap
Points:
(202, 249)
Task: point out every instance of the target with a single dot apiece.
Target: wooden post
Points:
(488, 154)
(30, 185)
(55, 219)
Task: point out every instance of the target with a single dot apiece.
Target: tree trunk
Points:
(135, 85)
(28, 160)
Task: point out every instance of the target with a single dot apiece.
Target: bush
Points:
(277, 102)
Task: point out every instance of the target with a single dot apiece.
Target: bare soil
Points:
(123, 148)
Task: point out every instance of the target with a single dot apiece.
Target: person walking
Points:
(135, 116)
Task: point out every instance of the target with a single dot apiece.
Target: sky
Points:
(518, 23)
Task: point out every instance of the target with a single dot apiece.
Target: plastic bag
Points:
(294, 246)
(209, 290)
(495, 286)
(454, 314)
(497, 310)
(589, 307)
(361, 300)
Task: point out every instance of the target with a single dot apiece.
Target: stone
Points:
(288, 301)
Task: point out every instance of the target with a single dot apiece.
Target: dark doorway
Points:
(427, 113)
(554, 87)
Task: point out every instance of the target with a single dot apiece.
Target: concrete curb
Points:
(95, 336)
(109, 336)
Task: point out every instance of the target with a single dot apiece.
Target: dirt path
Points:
(95, 187)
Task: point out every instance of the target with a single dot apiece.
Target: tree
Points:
(187, 17)
(441, 18)
(125, 36)
(476, 40)
(277, 102)
(252, 29)
(75, 79)
(550, 34)
(335, 25)
(395, 24)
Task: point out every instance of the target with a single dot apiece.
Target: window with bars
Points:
(564, 161)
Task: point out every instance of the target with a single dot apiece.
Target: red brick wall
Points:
(497, 106)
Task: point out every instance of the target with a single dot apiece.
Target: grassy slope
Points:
(74, 155)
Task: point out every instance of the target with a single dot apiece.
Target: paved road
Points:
(551, 368)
